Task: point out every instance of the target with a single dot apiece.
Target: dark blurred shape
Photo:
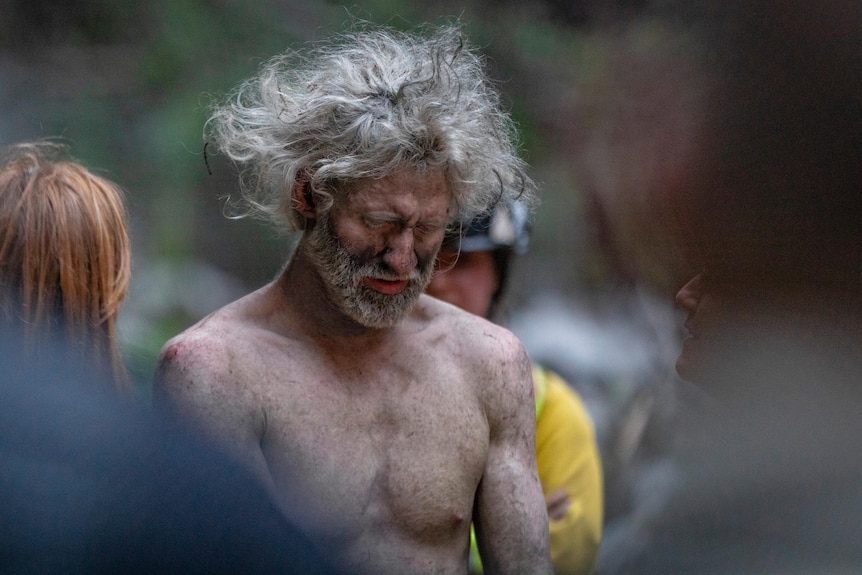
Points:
(581, 13)
(760, 194)
(91, 484)
(774, 192)
(35, 25)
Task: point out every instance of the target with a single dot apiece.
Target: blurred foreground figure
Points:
(65, 259)
(768, 204)
(383, 421)
(472, 273)
(90, 484)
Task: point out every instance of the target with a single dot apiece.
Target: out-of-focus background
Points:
(126, 84)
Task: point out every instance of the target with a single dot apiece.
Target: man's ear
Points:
(303, 198)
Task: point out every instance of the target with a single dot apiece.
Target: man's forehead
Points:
(405, 189)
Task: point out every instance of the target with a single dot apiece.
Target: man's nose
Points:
(687, 297)
(400, 253)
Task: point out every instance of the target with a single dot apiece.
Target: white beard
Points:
(343, 274)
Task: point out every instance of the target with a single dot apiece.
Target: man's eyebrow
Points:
(388, 216)
(383, 216)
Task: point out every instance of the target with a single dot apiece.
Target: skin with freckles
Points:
(382, 420)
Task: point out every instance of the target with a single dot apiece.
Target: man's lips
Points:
(385, 286)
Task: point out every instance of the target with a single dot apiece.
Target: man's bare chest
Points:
(401, 446)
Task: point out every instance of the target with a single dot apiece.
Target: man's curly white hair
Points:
(366, 104)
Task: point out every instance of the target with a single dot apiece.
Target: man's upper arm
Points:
(511, 518)
(197, 384)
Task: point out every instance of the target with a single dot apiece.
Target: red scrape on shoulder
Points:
(171, 352)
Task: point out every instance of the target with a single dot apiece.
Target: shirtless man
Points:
(384, 421)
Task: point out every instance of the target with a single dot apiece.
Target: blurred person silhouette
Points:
(398, 418)
(65, 259)
(472, 272)
(90, 482)
(767, 207)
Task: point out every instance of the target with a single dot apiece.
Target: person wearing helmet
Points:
(472, 272)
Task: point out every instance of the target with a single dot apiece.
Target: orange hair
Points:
(65, 258)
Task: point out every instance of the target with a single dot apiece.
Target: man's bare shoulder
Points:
(493, 353)
(207, 352)
(209, 374)
(469, 332)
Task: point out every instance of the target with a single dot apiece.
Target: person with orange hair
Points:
(93, 483)
(65, 258)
